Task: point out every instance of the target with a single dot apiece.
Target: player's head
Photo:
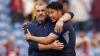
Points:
(55, 11)
(41, 10)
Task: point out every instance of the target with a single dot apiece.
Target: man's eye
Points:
(51, 12)
(43, 10)
(37, 11)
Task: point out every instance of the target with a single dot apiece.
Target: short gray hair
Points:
(40, 3)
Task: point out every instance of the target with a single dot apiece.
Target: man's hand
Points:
(56, 45)
(28, 35)
(59, 26)
(23, 26)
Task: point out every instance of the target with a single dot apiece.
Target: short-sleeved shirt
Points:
(67, 36)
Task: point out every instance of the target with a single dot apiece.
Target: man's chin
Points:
(42, 19)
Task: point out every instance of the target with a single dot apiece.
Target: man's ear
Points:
(59, 12)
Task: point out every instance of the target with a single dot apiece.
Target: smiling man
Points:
(67, 36)
(42, 25)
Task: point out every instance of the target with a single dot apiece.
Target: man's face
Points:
(53, 14)
(41, 12)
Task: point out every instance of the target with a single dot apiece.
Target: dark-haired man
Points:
(67, 36)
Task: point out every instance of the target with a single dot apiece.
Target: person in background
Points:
(96, 22)
(17, 11)
(65, 6)
(81, 9)
(1, 54)
(11, 48)
(28, 8)
(83, 46)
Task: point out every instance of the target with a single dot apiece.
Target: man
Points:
(67, 36)
(37, 49)
(43, 24)
(11, 47)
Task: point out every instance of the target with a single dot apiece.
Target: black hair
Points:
(55, 5)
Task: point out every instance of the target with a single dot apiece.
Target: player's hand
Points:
(28, 35)
(56, 45)
(23, 26)
(59, 26)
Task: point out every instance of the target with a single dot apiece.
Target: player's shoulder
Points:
(67, 25)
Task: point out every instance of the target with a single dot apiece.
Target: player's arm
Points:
(66, 17)
(56, 45)
(44, 40)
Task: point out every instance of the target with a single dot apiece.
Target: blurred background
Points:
(13, 13)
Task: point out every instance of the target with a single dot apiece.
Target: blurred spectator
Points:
(96, 20)
(1, 54)
(83, 46)
(17, 11)
(65, 6)
(28, 8)
(11, 48)
(81, 9)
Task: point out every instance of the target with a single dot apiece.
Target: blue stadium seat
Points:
(18, 34)
(5, 18)
(4, 26)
